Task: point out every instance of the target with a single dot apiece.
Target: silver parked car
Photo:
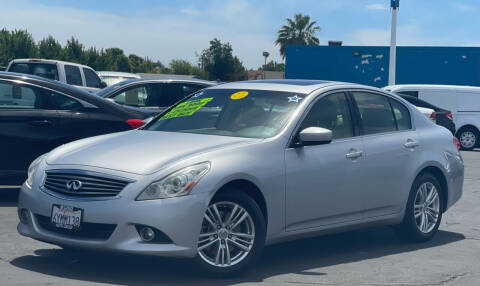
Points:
(240, 165)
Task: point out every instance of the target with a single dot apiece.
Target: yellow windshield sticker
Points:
(239, 95)
(186, 108)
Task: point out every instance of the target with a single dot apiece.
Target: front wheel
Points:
(232, 235)
(424, 210)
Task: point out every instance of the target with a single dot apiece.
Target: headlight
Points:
(32, 169)
(177, 184)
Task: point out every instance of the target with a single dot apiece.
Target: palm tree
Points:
(299, 31)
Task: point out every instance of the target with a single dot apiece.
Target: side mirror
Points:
(315, 136)
(103, 84)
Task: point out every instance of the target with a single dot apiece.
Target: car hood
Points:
(138, 151)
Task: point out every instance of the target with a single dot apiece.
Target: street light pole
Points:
(265, 54)
(393, 42)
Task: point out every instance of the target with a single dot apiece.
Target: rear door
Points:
(390, 148)
(28, 128)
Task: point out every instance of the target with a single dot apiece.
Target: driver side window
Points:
(331, 112)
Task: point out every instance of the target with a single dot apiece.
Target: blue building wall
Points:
(369, 64)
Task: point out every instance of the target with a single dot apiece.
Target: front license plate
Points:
(66, 217)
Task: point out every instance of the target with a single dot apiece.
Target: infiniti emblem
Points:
(74, 185)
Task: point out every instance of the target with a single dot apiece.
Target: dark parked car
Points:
(38, 114)
(442, 117)
(155, 94)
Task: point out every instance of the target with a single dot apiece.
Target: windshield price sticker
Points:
(186, 108)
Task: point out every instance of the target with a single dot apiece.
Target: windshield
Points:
(227, 112)
(39, 69)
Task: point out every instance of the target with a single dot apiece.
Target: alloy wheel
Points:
(227, 235)
(426, 207)
(467, 139)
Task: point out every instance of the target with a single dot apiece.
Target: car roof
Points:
(115, 73)
(288, 85)
(431, 86)
(33, 60)
(70, 90)
(112, 88)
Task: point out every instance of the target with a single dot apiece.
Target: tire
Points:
(213, 259)
(469, 138)
(411, 227)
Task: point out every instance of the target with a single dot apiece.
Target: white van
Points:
(71, 73)
(462, 101)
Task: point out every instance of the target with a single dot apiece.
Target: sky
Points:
(180, 29)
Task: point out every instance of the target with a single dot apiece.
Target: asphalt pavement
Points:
(372, 256)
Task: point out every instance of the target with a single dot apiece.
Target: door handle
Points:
(40, 122)
(353, 154)
(410, 144)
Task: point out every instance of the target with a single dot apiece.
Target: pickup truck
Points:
(71, 73)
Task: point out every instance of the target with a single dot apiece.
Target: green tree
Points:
(90, 58)
(49, 48)
(73, 51)
(117, 60)
(136, 63)
(219, 63)
(273, 66)
(22, 45)
(239, 71)
(299, 31)
(198, 72)
(5, 47)
(181, 67)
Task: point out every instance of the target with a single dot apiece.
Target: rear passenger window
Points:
(14, 96)
(331, 112)
(137, 96)
(376, 113)
(91, 78)
(402, 115)
(61, 102)
(73, 75)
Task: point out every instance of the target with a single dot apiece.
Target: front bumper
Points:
(179, 218)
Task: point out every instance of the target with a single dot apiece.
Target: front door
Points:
(324, 182)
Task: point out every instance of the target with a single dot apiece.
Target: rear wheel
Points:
(232, 234)
(468, 137)
(424, 210)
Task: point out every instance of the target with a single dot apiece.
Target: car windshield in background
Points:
(39, 69)
(227, 112)
(111, 80)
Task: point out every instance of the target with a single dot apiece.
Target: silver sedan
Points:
(240, 165)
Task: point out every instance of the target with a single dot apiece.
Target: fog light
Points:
(147, 234)
(24, 216)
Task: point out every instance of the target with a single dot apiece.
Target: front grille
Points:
(92, 184)
(98, 231)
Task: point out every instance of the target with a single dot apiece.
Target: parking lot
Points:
(365, 257)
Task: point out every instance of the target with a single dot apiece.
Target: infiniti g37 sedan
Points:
(240, 165)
